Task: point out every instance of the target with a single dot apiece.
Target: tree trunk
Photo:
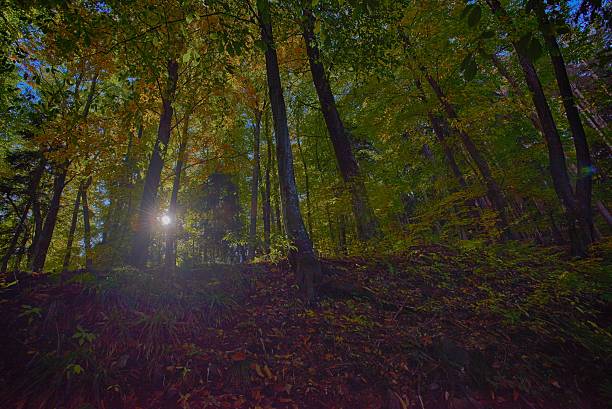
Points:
(148, 203)
(33, 198)
(266, 209)
(303, 259)
(15, 239)
(39, 254)
(306, 181)
(254, 187)
(73, 225)
(439, 130)
(22, 249)
(86, 225)
(367, 225)
(605, 213)
(499, 66)
(38, 227)
(493, 190)
(556, 155)
(584, 183)
(170, 258)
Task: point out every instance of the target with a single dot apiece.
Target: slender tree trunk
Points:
(39, 254)
(558, 167)
(501, 68)
(148, 203)
(493, 190)
(15, 239)
(266, 209)
(303, 259)
(33, 199)
(38, 227)
(437, 124)
(306, 182)
(73, 225)
(22, 248)
(170, 258)
(254, 186)
(86, 225)
(605, 213)
(342, 234)
(584, 184)
(367, 225)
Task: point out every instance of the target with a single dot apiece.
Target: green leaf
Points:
(487, 34)
(475, 16)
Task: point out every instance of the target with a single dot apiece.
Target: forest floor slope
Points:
(434, 327)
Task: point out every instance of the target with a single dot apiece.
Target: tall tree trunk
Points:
(556, 155)
(437, 123)
(39, 254)
(73, 225)
(33, 199)
(367, 225)
(493, 190)
(501, 68)
(86, 225)
(266, 209)
(306, 181)
(441, 131)
(170, 258)
(148, 202)
(15, 239)
(303, 259)
(584, 183)
(254, 186)
(38, 227)
(22, 248)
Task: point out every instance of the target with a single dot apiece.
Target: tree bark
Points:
(73, 225)
(493, 190)
(367, 225)
(148, 203)
(39, 254)
(303, 259)
(32, 193)
(584, 183)
(170, 258)
(499, 66)
(306, 181)
(437, 124)
(558, 167)
(605, 213)
(254, 186)
(266, 209)
(86, 225)
(15, 239)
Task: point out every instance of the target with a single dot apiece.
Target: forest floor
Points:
(434, 327)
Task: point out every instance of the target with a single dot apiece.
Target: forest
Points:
(389, 204)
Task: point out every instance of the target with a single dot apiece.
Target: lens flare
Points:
(165, 220)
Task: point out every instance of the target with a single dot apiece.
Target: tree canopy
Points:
(177, 134)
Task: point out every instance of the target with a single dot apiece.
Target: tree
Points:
(303, 260)
(349, 168)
